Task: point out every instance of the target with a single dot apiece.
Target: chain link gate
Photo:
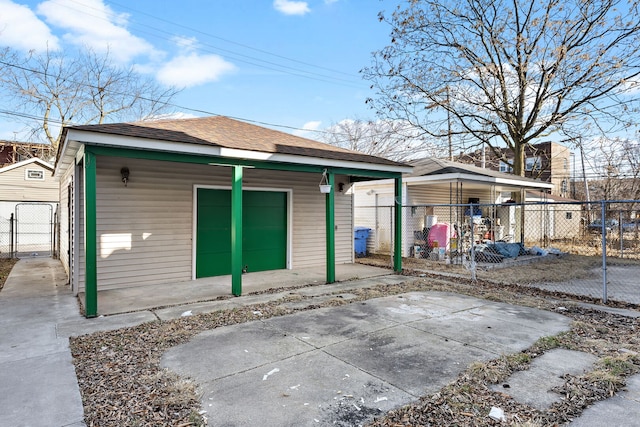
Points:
(34, 229)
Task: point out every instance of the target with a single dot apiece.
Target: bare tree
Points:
(55, 89)
(507, 73)
(391, 139)
(614, 165)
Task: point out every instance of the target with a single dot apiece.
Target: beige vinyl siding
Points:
(434, 195)
(64, 219)
(344, 224)
(14, 186)
(145, 230)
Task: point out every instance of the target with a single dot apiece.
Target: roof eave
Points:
(76, 137)
(26, 162)
(477, 178)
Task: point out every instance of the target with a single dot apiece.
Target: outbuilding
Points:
(172, 201)
(28, 206)
(444, 191)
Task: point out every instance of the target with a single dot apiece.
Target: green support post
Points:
(397, 212)
(236, 231)
(90, 234)
(331, 230)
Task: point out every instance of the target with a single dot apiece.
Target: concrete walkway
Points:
(331, 366)
(38, 385)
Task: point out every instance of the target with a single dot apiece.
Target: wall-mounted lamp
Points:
(125, 175)
(341, 187)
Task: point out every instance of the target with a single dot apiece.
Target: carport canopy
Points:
(218, 141)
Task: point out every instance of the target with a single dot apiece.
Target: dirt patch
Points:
(6, 265)
(536, 269)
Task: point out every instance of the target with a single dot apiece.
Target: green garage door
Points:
(264, 223)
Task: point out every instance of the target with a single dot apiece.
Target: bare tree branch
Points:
(515, 71)
(394, 140)
(61, 89)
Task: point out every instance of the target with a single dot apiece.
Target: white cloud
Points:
(21, 29)
(188, 70)
(94, 24)
(185, 43)
(289, 7)
(308, 129)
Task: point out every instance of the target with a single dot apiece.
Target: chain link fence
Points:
(31, 230)
(7, 237)
(603, 239)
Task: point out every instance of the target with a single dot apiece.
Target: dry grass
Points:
(532, 270)
(6, 264)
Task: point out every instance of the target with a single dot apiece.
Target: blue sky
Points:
(290, 63)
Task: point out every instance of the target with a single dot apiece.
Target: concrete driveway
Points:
(337, 366)
(343, 366)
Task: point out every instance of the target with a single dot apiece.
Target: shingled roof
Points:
(430, 167)
(220, 131)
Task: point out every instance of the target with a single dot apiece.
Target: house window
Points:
(504, 167)
(568, 215)
(564, 186)
(531, 163)
(565, 163)
(34, 175)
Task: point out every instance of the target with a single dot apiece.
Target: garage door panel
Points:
(213, 226)
(264, 231)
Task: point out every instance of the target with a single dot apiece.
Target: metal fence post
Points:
(604, 251)
(621, 233)
(11, 237)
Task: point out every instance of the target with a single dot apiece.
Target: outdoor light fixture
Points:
(341, 187)
(125, 175)
(325, 187)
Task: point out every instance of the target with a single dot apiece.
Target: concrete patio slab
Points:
(313, 389)
(383, 347)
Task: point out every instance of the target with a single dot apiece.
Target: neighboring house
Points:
(14, 152)
(176, 200)
(28, 194)
(433, 189)
(547, 161)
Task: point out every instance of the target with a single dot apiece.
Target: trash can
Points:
(360, 236)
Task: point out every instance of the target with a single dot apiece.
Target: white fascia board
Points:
(27, 162)
(522, 183)
(450, 177)
(67, 156)
(104, 139)
(120, 141)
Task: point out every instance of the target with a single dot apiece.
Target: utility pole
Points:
(586, 185)
(449, 125)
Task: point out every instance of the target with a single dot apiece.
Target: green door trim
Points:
(289, 207)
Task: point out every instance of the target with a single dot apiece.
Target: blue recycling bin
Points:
(360, 236)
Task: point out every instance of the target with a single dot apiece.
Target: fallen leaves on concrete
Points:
(122, 383)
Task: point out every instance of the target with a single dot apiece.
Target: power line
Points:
(227, 40)
(167, 104)
(236, 55)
